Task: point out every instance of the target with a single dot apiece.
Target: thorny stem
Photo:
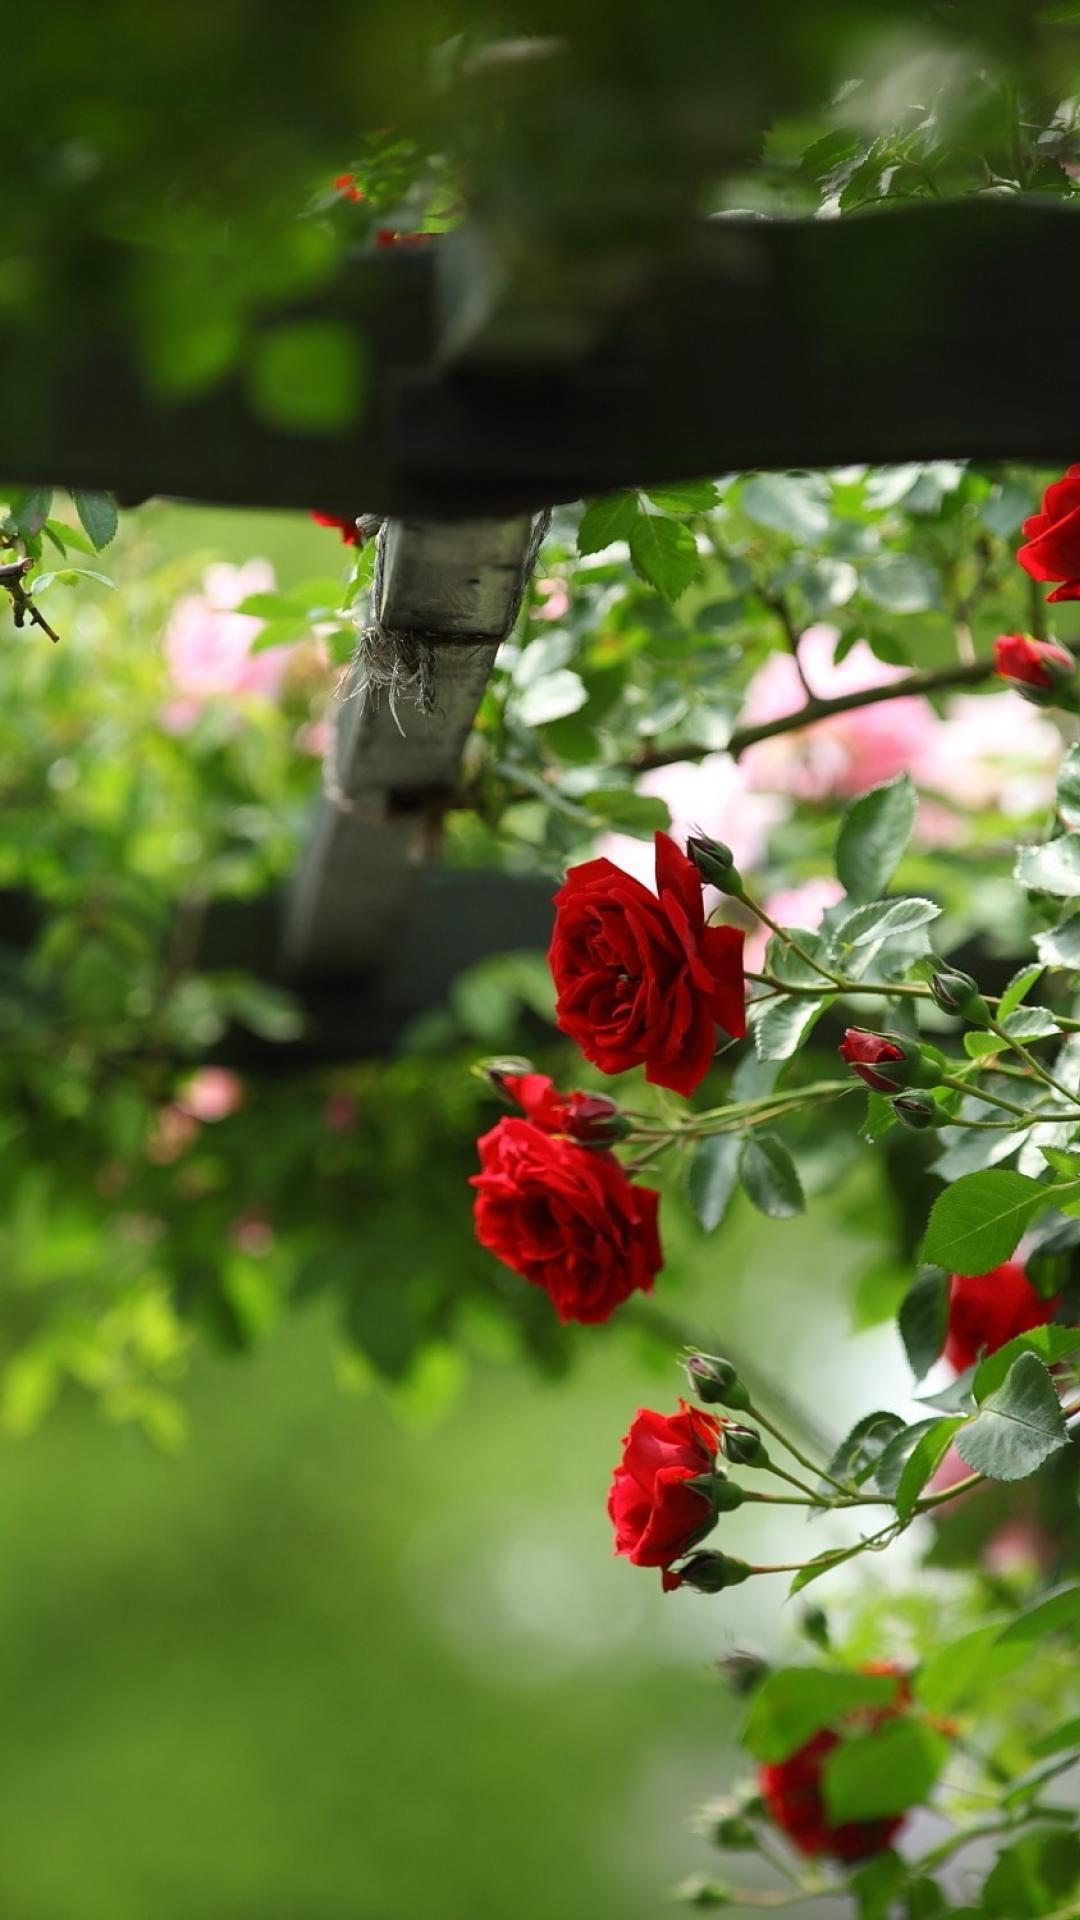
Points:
(1036, 1066)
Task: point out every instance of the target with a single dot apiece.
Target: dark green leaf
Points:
(883, 920)
(1034, 1876)
(770, 1177)
(782, 1024)
(607, 520)
(860, 1450)
(883, 1772)
(99, 517)
(922, 1462)
(977, 1223)
(628, 812)
(664, 553)
(922, 1319)
(794, 1703)
(713, 1176)
(822, 1563)
(1049, 1344)
(1057, 1613)
(29, 510)
(1018, 1426)
(873, 836)
(692, 496)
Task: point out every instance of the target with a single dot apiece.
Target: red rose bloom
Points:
(869, 1055)
(390, 237)
(792, 1790)
(348, 529)
(641, 980)
(656, 1516)
(345, 184)
(986, 1309)
(1034, 663)
(1051, 549)
(591, 1118)
(566, 1218)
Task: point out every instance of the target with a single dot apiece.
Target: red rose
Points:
(566, 1218)
(986, 1309)
(1052, 538)
(657, 1517)
(1034, 663)
(870, 1055)
(345, 184)
(641, 980)
(792, 1789)
(591, 1118)
(390, 237)
(347, 528)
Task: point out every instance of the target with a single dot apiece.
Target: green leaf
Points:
(922, 1462)
(1033, 1876)
(1057, 1613)
(782, 1024)
(29, 510)
(1017, 1427)
(1060, 946)
(664, 553)
(922, 1319)
(628, 812)
(876, 1886)
(822, 1563)
(1059, 1739)
(770, 1177)
(860, 1450)
(1050, 1344)
(712, 1177)
(873, 836)
(1052, 868)
(1017, 990)
(977, 1223)
(552, 698)
(1068, 788)
(99, 517)
(607, 520)
(787, 504)
(692, 496)
(883, 920)
(880, 1117)
(901, 584)
(43, 580)
(883, 1772)
(794, 1703)
(962, 1669)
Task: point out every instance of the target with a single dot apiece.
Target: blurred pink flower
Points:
(211, 1094)
(804, 907)
(991, 750)
(251, 1233)
(847, 753)
(554, 602)
(208, 645)
(709, 796)
(1019, 1546)
(171, 1134)
(314, 737)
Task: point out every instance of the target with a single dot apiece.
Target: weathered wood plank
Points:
(445, 598)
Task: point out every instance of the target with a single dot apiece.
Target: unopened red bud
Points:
(712, 1572)
(958, 993)
(742, 1672)
(716, 863)
(919, 1110)
(889, 1063)
(716, 1382)
(744, 1447)
(1040, 668)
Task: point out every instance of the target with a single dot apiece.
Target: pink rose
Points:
(208, 645)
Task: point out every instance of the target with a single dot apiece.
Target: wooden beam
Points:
(445, 596)
(878, 337)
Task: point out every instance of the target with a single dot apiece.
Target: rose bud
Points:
(592, 1119)
(722, 1494)
(887, 1063)
(716, 1382)
(1038, 667)
(733, 1833)
(918, 1110)
(709, 1573)
(742, 1672)
(958, 993)
(744, 1447)
(716, 863)
(699, 1891)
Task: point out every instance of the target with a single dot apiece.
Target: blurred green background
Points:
(361, 1659)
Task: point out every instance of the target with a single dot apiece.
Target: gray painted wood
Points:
(452, 589)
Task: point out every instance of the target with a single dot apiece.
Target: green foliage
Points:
(770, 1177)
(977, 1223)
(883, 1772)
(872, 838)
(1018, 1426)
(793, 1704)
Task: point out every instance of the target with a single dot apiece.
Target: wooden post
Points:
(446, 595)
